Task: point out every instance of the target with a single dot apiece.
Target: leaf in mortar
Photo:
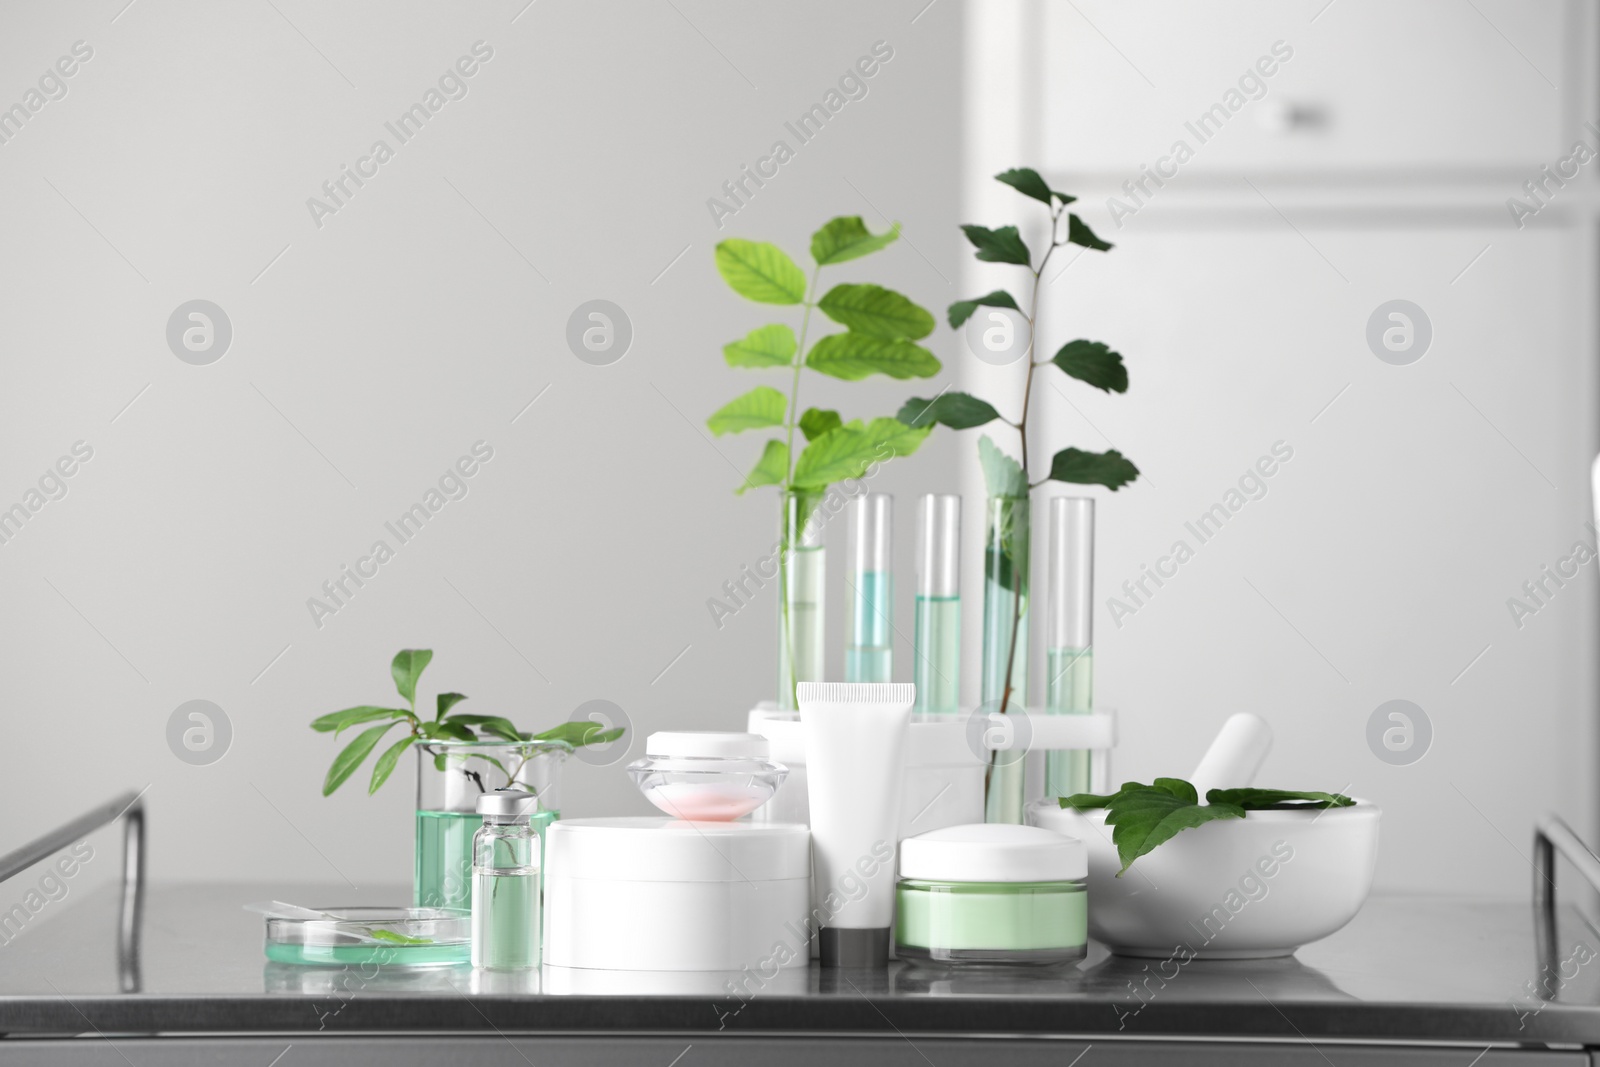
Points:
(1026, 181)
(959, 411)
(387, 760)
(761, 272)
(1143, 817)
(764, 346)
(818, 421)
(761, 407)
(1267, 799)
(962, 310)
(770, 469)
(1093, 362)
(853, 356)
(1078, 233)
(345, 763)
(876, 312)
(1110, 469)
(847, 237)
(406, 668)
(999, 246)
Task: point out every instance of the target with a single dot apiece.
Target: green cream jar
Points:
(992, 893)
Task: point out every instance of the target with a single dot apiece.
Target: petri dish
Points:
(397, 937)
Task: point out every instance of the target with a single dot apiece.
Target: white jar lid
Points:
(702, 744)
(644, 849)
(993, 852)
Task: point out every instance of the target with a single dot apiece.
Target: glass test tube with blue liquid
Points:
(1069, 661)
(870, 656)
(936, 664)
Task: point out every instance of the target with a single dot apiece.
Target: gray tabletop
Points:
(1408, 969)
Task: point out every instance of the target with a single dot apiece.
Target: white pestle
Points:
(1235, 756)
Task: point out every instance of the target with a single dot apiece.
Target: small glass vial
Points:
(506, 882)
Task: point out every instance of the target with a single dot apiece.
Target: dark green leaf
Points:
(853, 356)
(847, 238)
(491, 724)
(818, 421)
(387, 761)
(770, 469)
(999, 246)
(1095, 363)
(447, 730)
(407, 668)
(446, 701)
(1267, 799)
(760, 272)
(1027, 182)
(761, 407)
(847, 452)
(1078, 233)
(1143, 817)
(876, 311)
(962, 310)
(959, 411)
(337, 721)
(1109, 468)
(579, 734)
(439, 762)
(764, 346)
(1001, 474)
(1086, 801)
(345, 763)
(1065, 198)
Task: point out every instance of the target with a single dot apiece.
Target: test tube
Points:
(870, 656)
(1069, 656)
(936, 665)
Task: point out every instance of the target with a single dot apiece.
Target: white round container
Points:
(647, 894)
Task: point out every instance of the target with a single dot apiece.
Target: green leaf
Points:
(1110, 469)
(770, 469)
(761, 407)
(345, 763)
(1268, 799)
(847, 451)
(447, 730)
(446, 701)
(764, 346)
(1086, 801)
(1078, 233)
(962, 310)
(847, 238)
(959, 411)
(387, 761)
(337, 721)
(1002, 474)
(395, 938)
(1143, 817)
(818, 421)
(579, 734)
(407, 668)
(876, 311)
(1095, 363)
(760, 272)
(491, 724)
(853, 356)
(1027, 182)
(999, 246)
(1065, 198)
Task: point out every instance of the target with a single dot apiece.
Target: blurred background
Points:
(1337, 157)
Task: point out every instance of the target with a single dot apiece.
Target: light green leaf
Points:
(760, 272)
(765, 346)
(760, 407)
(446, 701)
(876, 312)
(345, 763)
(818, 421)
(491, 724)
(846, 238)
(959, 411)
(380, 934)
(1078, 233)
(999, 246)
(1110, 469)
(336, 722)
(847, 451)
(1002, 474)
(1026, 181)
(579, 734)
(387, 761)
(1095, 363)
(407, 668)
(770, 469)
(962, 310)
(853, 356)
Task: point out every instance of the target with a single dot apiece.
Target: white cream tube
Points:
(855, 737)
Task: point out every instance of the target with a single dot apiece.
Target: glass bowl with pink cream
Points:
(704, 776)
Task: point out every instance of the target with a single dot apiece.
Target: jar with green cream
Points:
(992, 893)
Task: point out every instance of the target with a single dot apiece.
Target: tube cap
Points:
(872, 531)
(1071, 607)
(854, 948)
(939, 546)
(511, 802)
